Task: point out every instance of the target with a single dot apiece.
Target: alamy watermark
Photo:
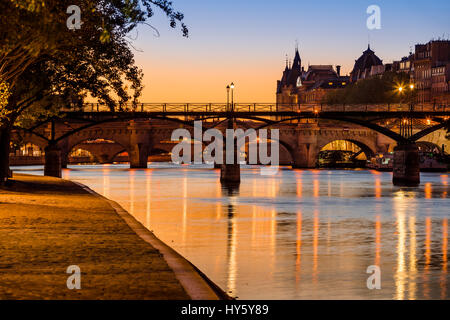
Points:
(74, 280)
(374, 281)
(74, 21)
(374, 20)
(230, 149)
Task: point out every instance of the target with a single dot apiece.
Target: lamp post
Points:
(230, 173)
(406, 129)
(228, 98)
(232, 96)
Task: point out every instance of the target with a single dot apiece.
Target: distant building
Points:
(440, 83)
(406, 65)
(366, 66)
(318, 81)
(299, 86)
(432, 57)
(428, 68)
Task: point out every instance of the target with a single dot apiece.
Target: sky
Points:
(246, 42)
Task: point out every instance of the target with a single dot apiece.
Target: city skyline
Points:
(250, 47)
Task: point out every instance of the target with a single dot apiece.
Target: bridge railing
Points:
(256, 107)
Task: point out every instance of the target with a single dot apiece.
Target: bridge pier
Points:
(104, 159)
(406, 168)
(305, 156)
(230, 174)
(139, 156)
(140, 144)
(53, 163)
(64, 160)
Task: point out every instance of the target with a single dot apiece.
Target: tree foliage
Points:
(4, 95)
(374, 90)
(35, 30)
(44, 65)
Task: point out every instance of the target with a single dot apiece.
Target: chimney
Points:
(338, 70)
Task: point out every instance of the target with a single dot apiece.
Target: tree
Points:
(373, 90)
(43, 62)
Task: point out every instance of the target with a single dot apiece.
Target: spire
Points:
(369, 50)
(287, 62)
(297, 60)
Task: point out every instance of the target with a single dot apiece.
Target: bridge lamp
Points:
(428, 121)
(400, 89)
(228, 97)
(232, 95)
(411, 86)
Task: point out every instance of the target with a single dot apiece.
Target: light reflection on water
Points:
(298, 235)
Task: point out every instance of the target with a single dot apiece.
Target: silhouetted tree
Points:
(371, 91)
(44, 65)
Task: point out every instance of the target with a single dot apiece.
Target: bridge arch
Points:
(286, 151)
(309, 146)
(81, 155)
(26, 137)
(427, 146)
(363, 146)
(102, 150)
(366, 143)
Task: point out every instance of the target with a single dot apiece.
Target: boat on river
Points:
(429, 162)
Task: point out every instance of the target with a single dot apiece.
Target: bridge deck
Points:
(259, 107)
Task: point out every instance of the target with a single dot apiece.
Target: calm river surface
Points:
(302, 234)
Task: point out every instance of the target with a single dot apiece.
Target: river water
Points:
(301, 234)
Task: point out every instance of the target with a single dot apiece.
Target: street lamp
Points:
(412, 87)
(232, 96)
(228, 98)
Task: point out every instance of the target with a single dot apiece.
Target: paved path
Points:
(48, 224)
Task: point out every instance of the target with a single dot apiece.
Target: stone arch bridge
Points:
(303, 130)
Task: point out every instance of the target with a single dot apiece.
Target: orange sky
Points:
(245, 42)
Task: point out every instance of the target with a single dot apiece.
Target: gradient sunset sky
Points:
(246, 41)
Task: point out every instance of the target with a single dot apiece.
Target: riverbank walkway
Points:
(49, 224)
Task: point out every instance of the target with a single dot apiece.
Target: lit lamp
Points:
(232, 96)
(411, 107)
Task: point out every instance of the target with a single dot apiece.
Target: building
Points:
(431, 57)
(440, 83)
(366, 66)
(318, 81)
(406, 65)
(298, 86)
(428, 68)
(291, 81)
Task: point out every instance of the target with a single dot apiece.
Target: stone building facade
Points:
(431, 74)
(300, 86)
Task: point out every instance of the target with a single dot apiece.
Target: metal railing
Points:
(255, 107)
